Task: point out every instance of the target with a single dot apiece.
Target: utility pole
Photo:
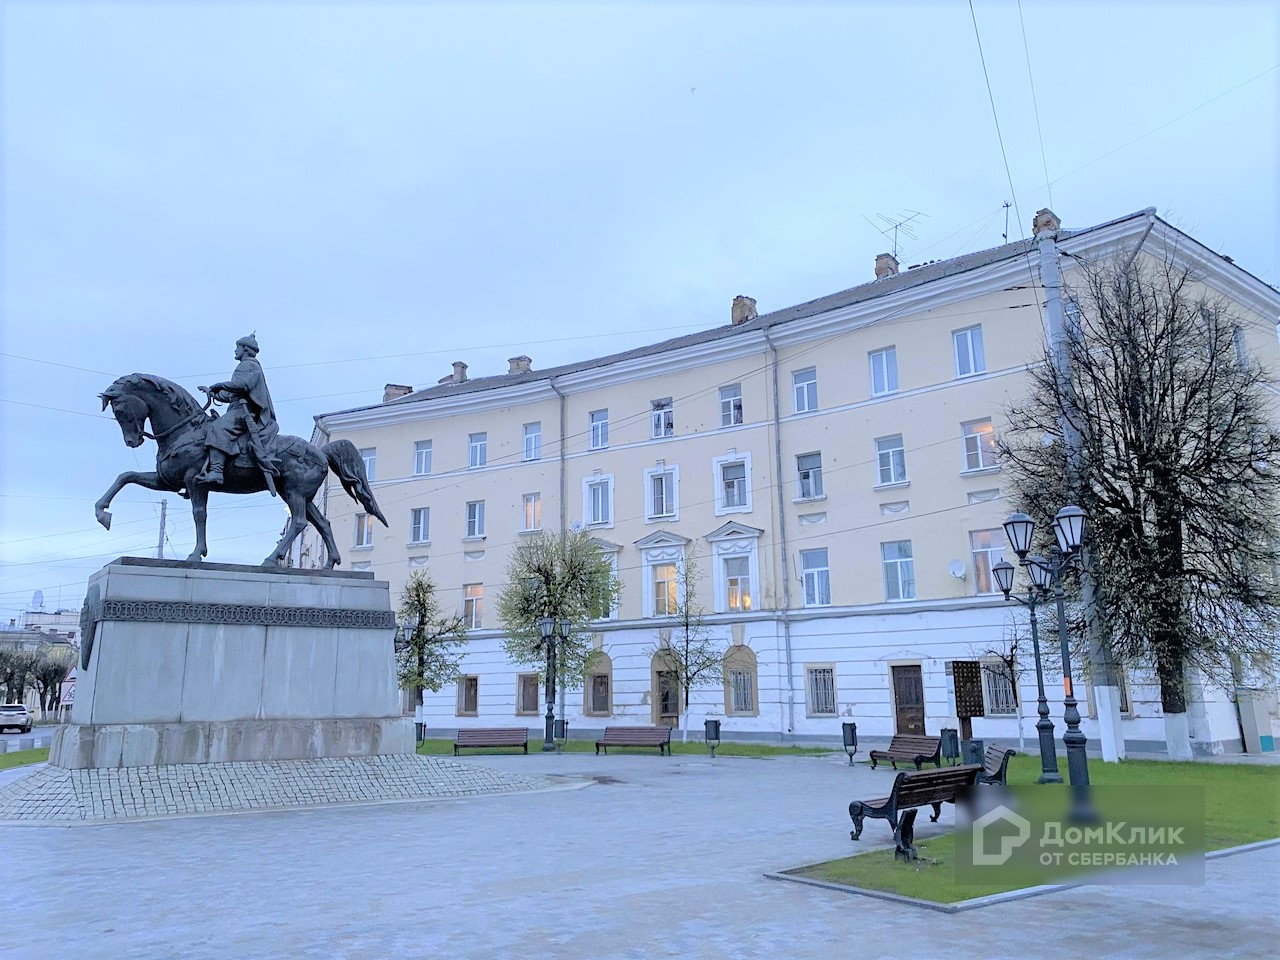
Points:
(164, 512)
(1102, 666)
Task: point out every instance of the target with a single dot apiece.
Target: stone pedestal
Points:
(223, 663)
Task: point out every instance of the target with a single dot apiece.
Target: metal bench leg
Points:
(873, 763)
(937, 812)
(856, 814)
(903, 836)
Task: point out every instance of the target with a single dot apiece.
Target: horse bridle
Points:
(180, 423)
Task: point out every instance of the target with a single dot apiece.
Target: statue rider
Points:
(250, 419)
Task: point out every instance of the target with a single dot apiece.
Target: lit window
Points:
(816, 576)
(731, 405)
(533, 441)
(478, 450)
(737, 578)
(805, 385)
(970, 358)
(884, 371)
(979, 445)
(988, 550)
(422, 458)
(891, 460)
(475, 518)
(370, 457)
(472, 605)
(599, 429)
(663, 416)
(809, 471)
(420, 525)
(664, 589)
(899, 570)
(533, 511)
(364, 530)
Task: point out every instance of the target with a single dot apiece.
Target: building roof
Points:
(881, 287)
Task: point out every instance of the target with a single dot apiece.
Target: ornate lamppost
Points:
(552, 630)
(1003, 572)
(1068, 528)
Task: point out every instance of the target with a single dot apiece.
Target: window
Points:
(527, 694)
(740, 681)
(988, 550)
(663, 416)
(475, 518)
(970, 358)
(817, 577)
(884, 371)
(660, 495)
(370, 457)
(732, 483)
(809, 471)
(468, 696)
(364, 530)
(899, 570)
(478, 450)
(598, 507)
(733, 477)
(422, 458)
(997, 689)
(420, 525)
(979, 445)
(805, 384)
(599, 429)
(1242, 349)
(533, 511)
(731, 405)
(891, 460)
(820, 691)
(533, 441)
(472, 605)
(665, 582)
(602, 604)
(740, 692)
(598, 691)
(737, 578)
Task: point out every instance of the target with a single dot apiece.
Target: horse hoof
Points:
(194, 558)
(104, 518)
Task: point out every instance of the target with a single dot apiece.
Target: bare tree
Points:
(16, 670)
(689, 650)
(1175, 473)
(47, 676)
(1006, 660)
(428, 645)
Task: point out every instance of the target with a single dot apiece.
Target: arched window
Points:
(666, 689)
(741, 682)
(597, 688)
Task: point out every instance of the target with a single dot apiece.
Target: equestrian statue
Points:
(241, 451)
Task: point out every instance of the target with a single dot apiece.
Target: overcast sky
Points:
(380, 190)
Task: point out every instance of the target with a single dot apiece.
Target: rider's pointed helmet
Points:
(251, 342)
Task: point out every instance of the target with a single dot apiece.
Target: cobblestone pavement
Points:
(56, 795)
(662, 857)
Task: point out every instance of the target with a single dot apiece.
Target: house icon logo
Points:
(1015, 832)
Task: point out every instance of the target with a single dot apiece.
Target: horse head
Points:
(138, 396)
(130, 410)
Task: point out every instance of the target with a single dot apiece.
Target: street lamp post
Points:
(1003, 572)
(552, 630)
(1046, 572)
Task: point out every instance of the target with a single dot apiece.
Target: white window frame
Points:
(731, 405)
(599, 424)
(815, 575)
(422, 458)
(718, 464)
(662, 417)
(612, 553)
(477, 450)
(472, 605)
(670, 474)
(475, 520)
(986, 556)
(804, 392)
(604, 480)
(363, 531)
(809, 476)
(533, 441)
(898, 565)
(420, 525)
(745, 588)
(885, 457)
(737, 541)
(532, 506)
(370, 457)
(670, 595)
(812, 706)
(669, 549)
(974, 446)
(970, 352)
(886, 359)
(994, 702)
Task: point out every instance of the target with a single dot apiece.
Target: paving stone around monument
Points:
(56, 795)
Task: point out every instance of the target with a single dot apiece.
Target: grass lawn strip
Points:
(20, 758)
(1242, 805)
(430, 748)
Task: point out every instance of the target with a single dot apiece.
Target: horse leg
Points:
(199, 514)
(297, 523)
(320, 523)
(150, 479)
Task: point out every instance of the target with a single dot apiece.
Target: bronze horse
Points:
(178, 423)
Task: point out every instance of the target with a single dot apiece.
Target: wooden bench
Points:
(493, 737)
(659, 737)
(910, 748)
(912, 790)
(995, 765)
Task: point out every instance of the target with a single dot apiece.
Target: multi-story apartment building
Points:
(831, 465)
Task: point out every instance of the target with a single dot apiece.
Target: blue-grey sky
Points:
(378, 190)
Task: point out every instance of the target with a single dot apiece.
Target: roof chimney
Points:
(519, 364)
(1046, 221)
(744, 309)
(886, 265)
(393, 390)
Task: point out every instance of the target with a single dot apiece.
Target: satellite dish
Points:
(37, 600)
(576, 526)
(956, 569)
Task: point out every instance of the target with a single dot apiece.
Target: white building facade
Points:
(831, 466)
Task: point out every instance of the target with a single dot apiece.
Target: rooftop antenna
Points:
(896, 225)
(1005, 235)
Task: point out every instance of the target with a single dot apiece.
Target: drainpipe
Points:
(782, 534)
(564, 413)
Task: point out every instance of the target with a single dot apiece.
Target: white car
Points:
(15, 715)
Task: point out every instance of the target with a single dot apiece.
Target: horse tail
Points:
(345, 460)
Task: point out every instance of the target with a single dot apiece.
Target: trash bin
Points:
(711, 732)
(849, 729)
(971, 751)
(949, 747)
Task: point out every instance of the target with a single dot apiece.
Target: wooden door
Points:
(668, 702)
(908, 699)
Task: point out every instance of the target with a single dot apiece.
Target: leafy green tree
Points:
(428, 645)
(687, 646)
